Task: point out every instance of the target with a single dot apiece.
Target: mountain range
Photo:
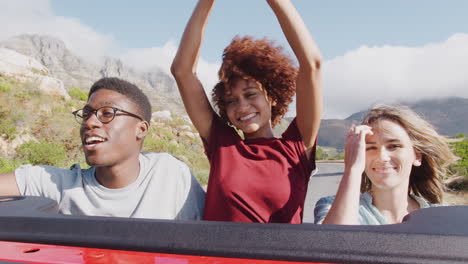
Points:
(449, 116)
(75, 71)
(49, 56)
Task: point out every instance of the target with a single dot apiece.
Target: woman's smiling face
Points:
(248, 108)
(390, 156)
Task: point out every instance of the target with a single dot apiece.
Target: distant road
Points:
(323, 183)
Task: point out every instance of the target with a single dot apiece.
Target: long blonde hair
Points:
(425, 180)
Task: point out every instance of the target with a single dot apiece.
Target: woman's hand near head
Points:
(309, 78)
(184, 67)
(355, 148)
(345, 208)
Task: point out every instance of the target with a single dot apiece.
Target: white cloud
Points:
(353, 82)
(36, 17)
(370, 75)
(208, 74)
(145, 59)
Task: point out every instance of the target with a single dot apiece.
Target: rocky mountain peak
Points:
(74, 71)
(112, 67)
(50, 51)
(31, 45)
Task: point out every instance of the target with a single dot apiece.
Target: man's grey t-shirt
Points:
(164, 189)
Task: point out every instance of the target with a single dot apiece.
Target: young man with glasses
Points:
(121, 181)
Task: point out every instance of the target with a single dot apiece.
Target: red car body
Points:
(31, 231)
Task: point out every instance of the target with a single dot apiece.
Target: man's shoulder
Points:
(163, 167)
(50, 170)
(161, 159)
(160, 156)
(40, 179)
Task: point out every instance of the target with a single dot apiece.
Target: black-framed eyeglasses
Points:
(104, 114)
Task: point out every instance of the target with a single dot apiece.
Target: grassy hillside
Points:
(37, 128)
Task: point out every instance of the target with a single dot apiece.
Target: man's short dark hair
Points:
(128, 89)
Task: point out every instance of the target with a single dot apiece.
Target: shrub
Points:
(7, 129)
(5, 87)
(160, 145)
(42, 153)
(202, 175)
(460, 149)
(8, 165)
(320, 154)
(25, 95)
(340, 156)
(7, 125)
(78, 94)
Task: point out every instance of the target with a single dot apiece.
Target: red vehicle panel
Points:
(52, 254)
(33, 232)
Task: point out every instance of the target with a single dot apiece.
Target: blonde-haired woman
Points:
(394, 165)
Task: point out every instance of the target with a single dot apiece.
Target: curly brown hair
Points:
(260, 60)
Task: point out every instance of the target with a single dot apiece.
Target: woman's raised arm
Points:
(184, 69)
(309, 79)
(345, 208)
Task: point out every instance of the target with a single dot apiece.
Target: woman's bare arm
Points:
(309, 79)
(184, 69)
(345, 208)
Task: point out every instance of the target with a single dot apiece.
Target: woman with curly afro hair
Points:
(257, 177)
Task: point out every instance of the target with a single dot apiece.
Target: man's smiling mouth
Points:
(94, 140)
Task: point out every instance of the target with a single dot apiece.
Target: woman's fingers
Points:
(356, 145)
(360, 131)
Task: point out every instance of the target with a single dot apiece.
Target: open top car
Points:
(31, 231)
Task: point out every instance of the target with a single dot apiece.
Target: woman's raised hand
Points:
(355, 148)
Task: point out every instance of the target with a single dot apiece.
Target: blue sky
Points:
(338, 26)
(374, 51)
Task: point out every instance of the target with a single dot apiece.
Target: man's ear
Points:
(142, 129)
(418, 161)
